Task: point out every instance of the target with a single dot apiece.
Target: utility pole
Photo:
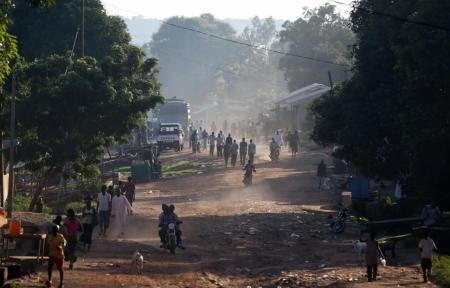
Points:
(331, 82)
(82, 28)
(2, 200)
(12, 144)
(2, 161)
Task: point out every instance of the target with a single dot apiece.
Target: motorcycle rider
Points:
(165, 218)
(274, 148)
(249, 168)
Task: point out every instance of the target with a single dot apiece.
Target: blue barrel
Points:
(360, 187)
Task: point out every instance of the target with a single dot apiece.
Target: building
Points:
(291, 111)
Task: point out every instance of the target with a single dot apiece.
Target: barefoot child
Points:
(426, 247)
(56, 243)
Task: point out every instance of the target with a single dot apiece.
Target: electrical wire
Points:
(237, 42)
(398, 18)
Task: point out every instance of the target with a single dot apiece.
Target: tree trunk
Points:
(37, 194)
(40, 187)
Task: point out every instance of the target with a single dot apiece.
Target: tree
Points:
(67, 119)
(190, 61)
(44, 32)
(391, 119)
(256, 76)
(322, 33)
(8, 42)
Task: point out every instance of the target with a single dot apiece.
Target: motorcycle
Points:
(171, 238)
(338, 224)
(275, 154)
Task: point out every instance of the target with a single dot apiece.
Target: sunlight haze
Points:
(285, 9)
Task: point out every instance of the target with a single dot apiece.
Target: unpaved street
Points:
(274, 234)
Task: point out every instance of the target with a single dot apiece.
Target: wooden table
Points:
(41, 247)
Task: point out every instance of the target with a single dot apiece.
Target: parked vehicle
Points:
(174, 111)
(170, 135)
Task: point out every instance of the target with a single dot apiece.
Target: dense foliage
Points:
(44, 32)
(392, 118)
(255, 74)
(70, 108)
(322, 34)
(8, 41)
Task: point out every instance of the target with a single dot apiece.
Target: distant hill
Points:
(142, 29)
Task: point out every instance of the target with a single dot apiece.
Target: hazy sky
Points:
(281, 9)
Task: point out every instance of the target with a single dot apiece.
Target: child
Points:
(372, 252)
(73, 226)
(426, 247)
(56, 243)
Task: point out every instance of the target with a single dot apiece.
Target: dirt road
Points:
(274, 234)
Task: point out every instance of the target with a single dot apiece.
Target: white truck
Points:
(170, 135)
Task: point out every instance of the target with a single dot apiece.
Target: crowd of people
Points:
(117, 204)
(64, 235)
(222, 147)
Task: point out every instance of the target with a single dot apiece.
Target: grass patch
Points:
(441, 270)
(21, 204)
(178, 168)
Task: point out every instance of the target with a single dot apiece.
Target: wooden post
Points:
(12, 145)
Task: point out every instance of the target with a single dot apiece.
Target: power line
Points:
(221, 69)
(398, 18)
(237, 42)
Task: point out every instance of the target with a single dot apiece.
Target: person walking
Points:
(251, 151)
(372, 252)
(226, 153)
(204, 139)
(426, 247)
(56, 243)
(227, 149)
(212, 144)
(130, 189)
(243, 151)
(88, 220)
(220, 141)
(103, 209)
(120, 208)
(321, 173)
(234, 153)
(73, 226)
(294, 141)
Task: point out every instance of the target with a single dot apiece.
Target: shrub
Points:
(441, 270)
(21, 204)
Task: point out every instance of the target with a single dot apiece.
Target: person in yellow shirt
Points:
(56, 243)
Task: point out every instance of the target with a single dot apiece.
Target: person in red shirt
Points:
(73, 226)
